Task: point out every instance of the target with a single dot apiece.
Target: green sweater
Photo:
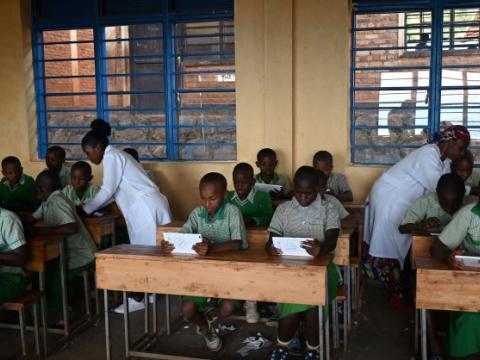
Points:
(257, 206)
(21, 198)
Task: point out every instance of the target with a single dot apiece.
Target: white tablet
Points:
(469, 261)
(182, 243)
(291, 246)
(268, 187)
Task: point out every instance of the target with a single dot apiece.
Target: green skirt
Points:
(464, 333)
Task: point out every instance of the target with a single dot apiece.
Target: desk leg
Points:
(416, 333)
(154, 315)
(43, 311)
(146, 312)
(63, 281)
(108, 347)
(167, 313)
(350, 295)
(125, 324)
(423, 331)
(321, 349)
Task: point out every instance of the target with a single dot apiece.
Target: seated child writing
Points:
(461, 236)
(80, 190)
(267, 162)
(463, 167)
(337, 184)
(307, 215)
(17, 190)
(55, 161)
(222, 228)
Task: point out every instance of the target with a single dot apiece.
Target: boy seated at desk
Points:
(322, 190)
(463, 167)
(13, 255)
(461, 236)
(221, 226)
(17, 190)
(60, 217)
(267, 162)
(80, 190)
(307, 215)
(337, 184)
(55, 161)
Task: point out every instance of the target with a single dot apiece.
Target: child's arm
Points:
(425, 226)
(16, 257)
(345, 197)
(344, 191)
(205, 247)
(65, 229)
(314, 248)
(440, 251)
(269, 248)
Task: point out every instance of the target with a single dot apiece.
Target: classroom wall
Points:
(292, 72)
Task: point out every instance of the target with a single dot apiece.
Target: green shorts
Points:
(288, 309)
(464, 333)
(202, 302)
(12, 286)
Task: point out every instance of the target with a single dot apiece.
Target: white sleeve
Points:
(112, 176)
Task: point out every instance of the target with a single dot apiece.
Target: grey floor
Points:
(379, 333)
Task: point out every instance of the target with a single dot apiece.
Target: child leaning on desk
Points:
(461, 236)
(307, 215)
(221, 226)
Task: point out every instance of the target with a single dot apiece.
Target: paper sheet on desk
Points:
(183, 243)
(291, 246)
(268, 187)
(469, 261)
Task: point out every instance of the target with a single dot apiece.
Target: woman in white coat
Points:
(394, 192)
(126, 183)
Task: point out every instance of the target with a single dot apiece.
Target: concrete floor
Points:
(379, 333)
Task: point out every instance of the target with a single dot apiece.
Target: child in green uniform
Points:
(17, 190)
(80, 191)
(222, 228)
(267, 162)
(337, 184)
(322, 190)
(307, 215)
(13, 254)
(255, 205)
(461, 236)
(55, 161)
(432, 211)
(463, 167)
(60, 216)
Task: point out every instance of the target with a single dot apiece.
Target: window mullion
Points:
(170, 92)
(39, 72)
(100, 71)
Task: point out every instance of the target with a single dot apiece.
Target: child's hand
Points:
(454, 263)
(166, 247)
(312, 247)
(432, 223)
(202, 247)
(329, 191)
(272, 250)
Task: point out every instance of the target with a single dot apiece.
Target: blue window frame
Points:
(415, 69)
(164, 81)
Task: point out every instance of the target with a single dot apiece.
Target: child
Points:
(17, 190)
(55, 161)
(337, 184)
(431, 212)
(60, 217)
(267, 162)
(134, 153)
(463, 167)
(306, 215)
(13, 254)
(80, 191)
(461, 236)
(222, 228)
(255, 206)
(322, 190)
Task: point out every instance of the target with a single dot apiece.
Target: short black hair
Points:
(322, 178)
(322, 155)
(11, 160)
(266, 152)
(82, 166)
(50, 179)
(243, 168)
(60, 151)
(214, 178)
(133, 153)
(451, 183)
(467, 157)
(308, 174)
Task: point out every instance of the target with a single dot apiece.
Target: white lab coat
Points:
(139, 199)
(393, 193)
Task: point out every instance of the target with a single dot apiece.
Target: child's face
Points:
(324, 166)
(450, 202)
(43, 191)
(94, 153)
(463, 169)
(13, 173)
(80, 179)
(243, 183)
(212, 196)
(54, 161)
(305, 193)
(267, 165)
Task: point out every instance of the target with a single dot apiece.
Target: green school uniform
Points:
(257, 205)
(425, 207)
(342, 212)
(22, 197)
(64, 176)
(278, 179)
(338, 183)
(71, 194)
(474, 179)
(293, 220)
(226, 225)
(12, 280)
(464, 328)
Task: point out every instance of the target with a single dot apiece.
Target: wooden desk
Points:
(442, 288)
(100, 226)
(41, 249)
(233, 275)
(421, 247)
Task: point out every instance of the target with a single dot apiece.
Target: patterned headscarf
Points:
(454, 132)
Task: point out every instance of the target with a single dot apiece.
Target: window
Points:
(400, 95)
(167, 87)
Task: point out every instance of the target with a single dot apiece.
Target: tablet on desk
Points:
(469, 261)
(183, 243)
(291, 246)
(268, 187)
